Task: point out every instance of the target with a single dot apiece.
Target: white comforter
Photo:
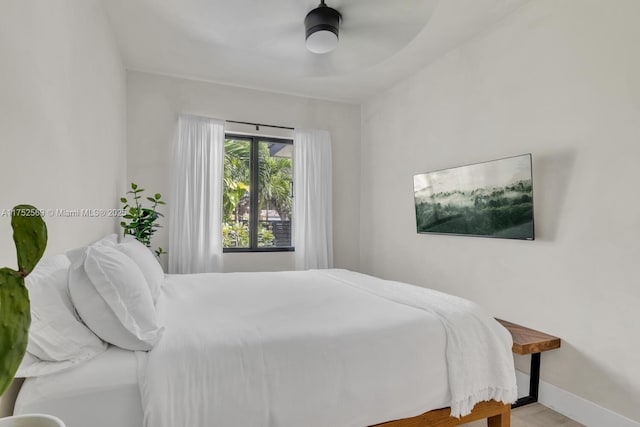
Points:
(317, 349)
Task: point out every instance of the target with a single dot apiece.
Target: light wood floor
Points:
(534, 415)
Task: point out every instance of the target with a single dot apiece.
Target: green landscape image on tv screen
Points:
(490, 199)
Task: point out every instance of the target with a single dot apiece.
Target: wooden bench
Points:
(497, 414)
(530, 341)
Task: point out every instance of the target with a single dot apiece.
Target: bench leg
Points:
(502, 420)
(534, 383)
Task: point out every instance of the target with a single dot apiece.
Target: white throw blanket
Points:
(317, 349)
(479, 359)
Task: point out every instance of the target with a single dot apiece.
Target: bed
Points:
(316, 349)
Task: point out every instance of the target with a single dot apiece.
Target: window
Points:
(258, 194)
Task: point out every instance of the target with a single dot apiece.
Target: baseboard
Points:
(575, 407)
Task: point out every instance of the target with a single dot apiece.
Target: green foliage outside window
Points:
(236, 235)
(274, 183)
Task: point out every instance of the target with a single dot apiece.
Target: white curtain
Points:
(312, 211)
(195, 224)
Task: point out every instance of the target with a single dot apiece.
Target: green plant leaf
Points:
(140, 220)
(15, 318)
(29, 235)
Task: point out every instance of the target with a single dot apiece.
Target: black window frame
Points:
(254, 164)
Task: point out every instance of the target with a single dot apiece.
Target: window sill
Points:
(245, 250)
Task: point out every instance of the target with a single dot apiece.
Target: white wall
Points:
(62, 117)
(154, 103)
(559, 79)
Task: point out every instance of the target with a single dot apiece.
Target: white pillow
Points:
(112, 297)
(56, 333)
(146, 261)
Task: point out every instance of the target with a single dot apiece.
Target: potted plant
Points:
(30, 238)
(141, 222)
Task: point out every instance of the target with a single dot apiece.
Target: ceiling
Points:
(260, 44)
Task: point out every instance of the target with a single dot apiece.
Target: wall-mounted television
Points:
(489, 199)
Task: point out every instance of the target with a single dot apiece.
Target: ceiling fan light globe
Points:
(322, 26)
(322, 41)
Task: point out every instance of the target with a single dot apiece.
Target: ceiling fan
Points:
(287, 32)
(351, 34)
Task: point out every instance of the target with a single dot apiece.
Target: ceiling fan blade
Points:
(287, 43)
(407, 11)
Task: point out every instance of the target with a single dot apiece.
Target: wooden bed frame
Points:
(497, 414)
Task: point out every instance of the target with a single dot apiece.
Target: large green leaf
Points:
(29, 235)
(15, 318)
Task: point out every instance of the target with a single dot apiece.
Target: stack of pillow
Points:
(101, 294)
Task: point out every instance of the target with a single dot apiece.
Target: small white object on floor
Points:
(31, 420)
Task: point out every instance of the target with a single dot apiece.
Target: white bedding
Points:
(102, 392)
(478, 351)
(325, 348)
(315, 349)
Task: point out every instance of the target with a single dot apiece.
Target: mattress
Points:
(102, 392)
